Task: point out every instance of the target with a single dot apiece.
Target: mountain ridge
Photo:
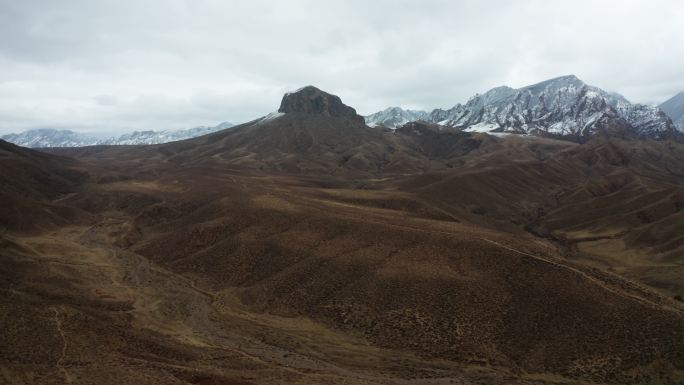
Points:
(562, 106)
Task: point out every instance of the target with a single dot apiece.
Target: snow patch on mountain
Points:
(481, 127)
(272, 116)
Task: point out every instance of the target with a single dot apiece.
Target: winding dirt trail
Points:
(62, 357)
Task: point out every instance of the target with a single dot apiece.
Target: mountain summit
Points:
(310, 100)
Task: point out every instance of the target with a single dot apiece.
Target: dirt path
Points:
(62, 357)
(595, 280)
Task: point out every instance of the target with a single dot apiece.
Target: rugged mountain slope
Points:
(613, 203)
(563, 106)
(42, 138)
(674, 108)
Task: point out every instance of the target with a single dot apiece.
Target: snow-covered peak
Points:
(394, 117)
(564, 106)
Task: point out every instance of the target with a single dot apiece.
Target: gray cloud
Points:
(107, 66)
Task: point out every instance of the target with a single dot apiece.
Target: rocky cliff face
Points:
(312, 101)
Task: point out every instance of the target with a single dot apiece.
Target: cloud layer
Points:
(108, 66)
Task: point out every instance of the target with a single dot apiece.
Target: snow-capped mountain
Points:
(48, 137)
(65, 138)
(564, 106)
(393, 117)
(674, 108)
(164, 136)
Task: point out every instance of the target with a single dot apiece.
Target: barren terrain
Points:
(295, 252)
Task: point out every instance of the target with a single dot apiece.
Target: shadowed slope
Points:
(30, 182)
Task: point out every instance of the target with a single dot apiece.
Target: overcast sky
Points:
(110, 66)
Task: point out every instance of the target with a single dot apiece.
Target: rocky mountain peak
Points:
(310, 100)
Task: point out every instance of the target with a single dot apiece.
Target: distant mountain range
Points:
(313, 132)
(43, 138)
(562, 106)
(674, 108)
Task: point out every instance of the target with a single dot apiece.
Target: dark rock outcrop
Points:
(312, 101)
